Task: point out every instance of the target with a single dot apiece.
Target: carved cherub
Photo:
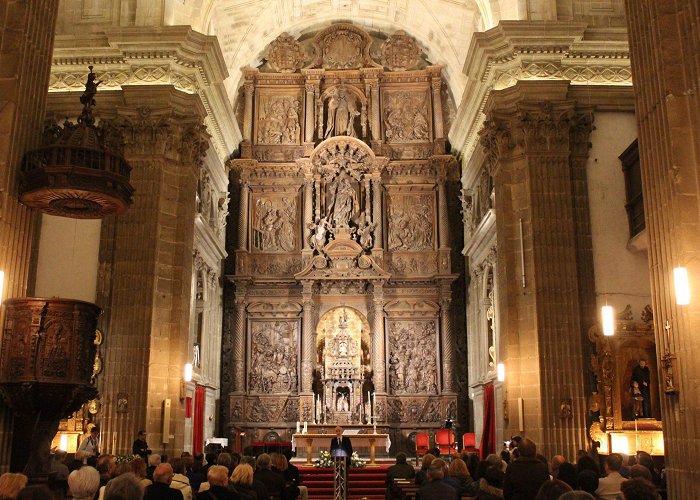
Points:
(364, 234)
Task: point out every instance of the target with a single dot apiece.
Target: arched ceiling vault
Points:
(245, 28)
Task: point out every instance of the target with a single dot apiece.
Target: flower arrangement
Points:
(323, 460)
(356, 461)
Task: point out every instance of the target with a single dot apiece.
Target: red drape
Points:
(488, 437)
(198, 424)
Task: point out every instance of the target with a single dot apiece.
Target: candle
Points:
(305, 428)
(298, 426)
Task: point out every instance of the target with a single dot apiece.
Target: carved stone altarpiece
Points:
(342, 211)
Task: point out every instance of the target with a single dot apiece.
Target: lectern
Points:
(340, 474)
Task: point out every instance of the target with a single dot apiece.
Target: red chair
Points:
(469, 443)
(445, 442)
(422, 445)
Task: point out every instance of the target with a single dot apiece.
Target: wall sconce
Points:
(681, 285)
(186, 378)
(501, 372)
(608, 321)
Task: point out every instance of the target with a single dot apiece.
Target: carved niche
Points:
(273, 356)
(411, 369)
(344, 108)
(278, 120)
(406, 116)
(343, 46)
(401, 52)
(411, 221)
(286, 55)
(274, 220)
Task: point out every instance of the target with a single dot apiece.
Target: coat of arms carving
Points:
(400, 52)
(286, 54)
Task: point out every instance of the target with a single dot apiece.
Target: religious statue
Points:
(88, 97)
(640, 386)
(343, 201)
(342, 403)
(342, 110)
(364, 234)
(317, 240)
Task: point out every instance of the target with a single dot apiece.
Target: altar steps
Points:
(368, 482)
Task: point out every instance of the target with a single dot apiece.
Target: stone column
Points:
(151, 258)
(27, 33)
(308, 343)
(249, 90)
(665, 66)
(243, 216)
(371, 78)
(447, 340)
(438, 124)
(444, 252)
(239, 338)
(378, 344)
(309, 117)
(527, 140)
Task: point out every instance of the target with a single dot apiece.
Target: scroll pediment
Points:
(404, 307)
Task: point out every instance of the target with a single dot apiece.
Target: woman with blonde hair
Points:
(138, 467)
(11, 484)
(242, 482)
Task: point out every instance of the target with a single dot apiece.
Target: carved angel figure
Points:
(318, 239)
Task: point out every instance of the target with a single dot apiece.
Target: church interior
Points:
(239, 222)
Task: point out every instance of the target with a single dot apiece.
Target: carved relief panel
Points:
(411, 218)
(412, 370)
(406, 116)
(274, 221)
(279, 117)
(273, 356)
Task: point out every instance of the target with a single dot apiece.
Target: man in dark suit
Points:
(436, 488)
(340, 442)
(160, 489)
(401, 470)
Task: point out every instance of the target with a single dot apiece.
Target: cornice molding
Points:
(172, 55)
(536, 50)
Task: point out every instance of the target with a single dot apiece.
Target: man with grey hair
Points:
(160, 489)
(84, 483)
(153, 462)
(124, 487)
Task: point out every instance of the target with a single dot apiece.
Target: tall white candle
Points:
(298, 426)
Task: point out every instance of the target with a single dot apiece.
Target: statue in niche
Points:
(273, 227)
(640, 385)
(343, 203)
(342, 403)
(342, 110)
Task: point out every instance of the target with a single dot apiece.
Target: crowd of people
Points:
(226, 476)
(520, 473)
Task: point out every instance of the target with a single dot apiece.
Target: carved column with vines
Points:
(239, 337)
(447, 339)
(378, 346)
(308, 344)
(443, 219)
(308, 207)
(377, 209)
(243, 217)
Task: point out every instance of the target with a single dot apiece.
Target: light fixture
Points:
(2, 285)
(501, 372)
(608, 321)
(188, 372)
(680, 282)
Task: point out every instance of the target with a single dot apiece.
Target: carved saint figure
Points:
(342, 110)
(343, 201)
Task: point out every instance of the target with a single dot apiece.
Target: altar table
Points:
(322, 442)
